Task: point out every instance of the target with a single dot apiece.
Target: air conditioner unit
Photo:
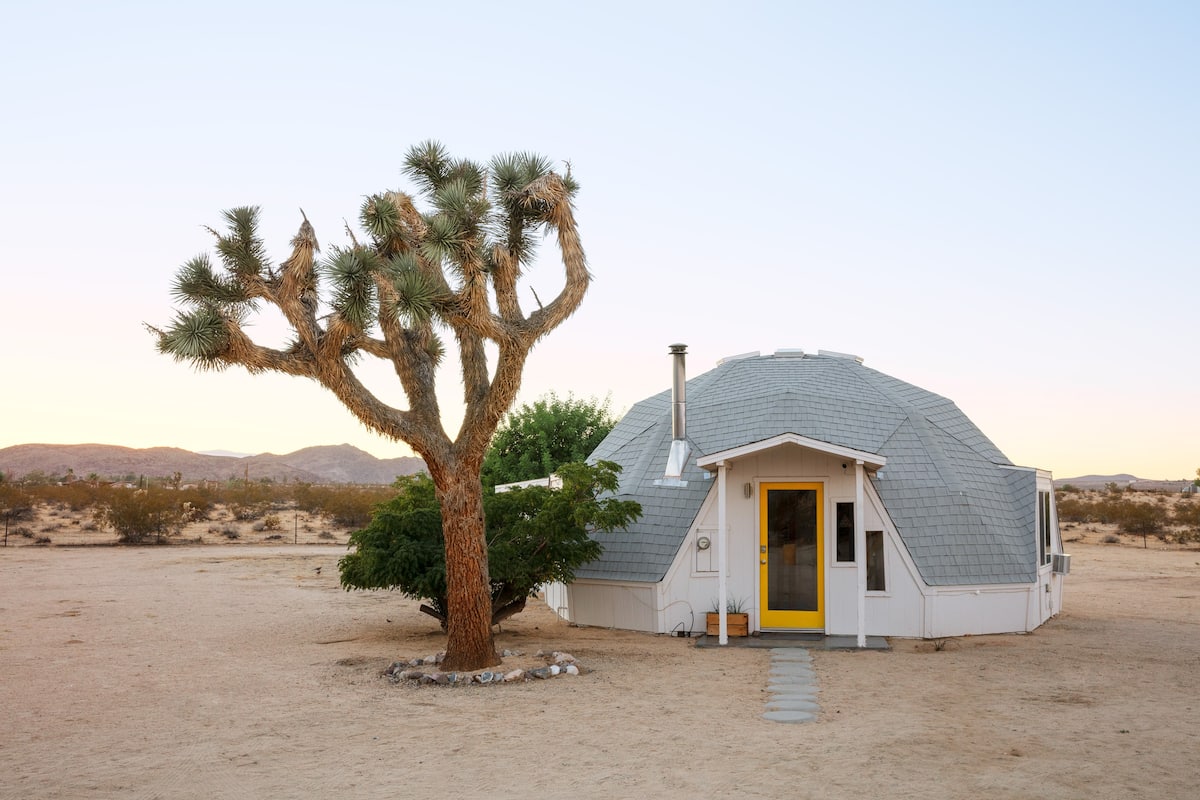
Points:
(1060, 563)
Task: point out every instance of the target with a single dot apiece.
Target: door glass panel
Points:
(792, 549)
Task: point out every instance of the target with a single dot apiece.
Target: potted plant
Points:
(737, 621)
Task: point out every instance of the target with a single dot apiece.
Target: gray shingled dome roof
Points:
(965, 514)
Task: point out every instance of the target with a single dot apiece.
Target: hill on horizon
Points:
(342, 463)
(1123, 480)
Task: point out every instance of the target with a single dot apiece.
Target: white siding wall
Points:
(629, 606)
(974, 610)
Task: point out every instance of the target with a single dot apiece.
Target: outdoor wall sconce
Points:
(748, 489)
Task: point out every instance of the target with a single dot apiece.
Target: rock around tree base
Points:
(424, 670)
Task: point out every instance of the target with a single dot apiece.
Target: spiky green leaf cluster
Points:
(380, 218)
(512, 173)
(443, 239)
(419, 299)
(351, 273)
(196, 284)
(428, 164)
(198, 336)
(241, 250)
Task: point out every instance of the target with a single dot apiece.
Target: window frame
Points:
(879, 564)
(1045, 529)
(837, 530)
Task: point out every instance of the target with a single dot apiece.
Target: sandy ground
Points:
(227, 671)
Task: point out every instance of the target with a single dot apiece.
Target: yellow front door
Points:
(790, 556)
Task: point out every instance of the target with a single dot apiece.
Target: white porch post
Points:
(722, 589)
(860, 550)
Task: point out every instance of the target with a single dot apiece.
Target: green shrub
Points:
(346, 506)
(535, 535)
(1187, 515)
(138, 514)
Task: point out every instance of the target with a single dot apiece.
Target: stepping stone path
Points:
(792, 685)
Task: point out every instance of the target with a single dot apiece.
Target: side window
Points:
(845, 533)
(1043, 531)
(876, 579)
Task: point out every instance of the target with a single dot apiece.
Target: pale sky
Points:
(998, 202)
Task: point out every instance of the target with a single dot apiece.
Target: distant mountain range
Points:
(1122, 480)
(327, 464)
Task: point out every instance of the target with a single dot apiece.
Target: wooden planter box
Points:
(735, 624)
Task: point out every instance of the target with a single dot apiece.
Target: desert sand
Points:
(235, 671)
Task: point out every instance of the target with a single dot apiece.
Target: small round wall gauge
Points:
(703, 543)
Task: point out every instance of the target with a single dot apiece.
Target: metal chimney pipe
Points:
(678, 400)
(678, 454)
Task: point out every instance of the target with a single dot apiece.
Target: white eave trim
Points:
(869, 460)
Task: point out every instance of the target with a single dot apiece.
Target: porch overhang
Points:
(871, 461)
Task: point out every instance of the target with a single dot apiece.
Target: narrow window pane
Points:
(1041, 529)
(1046, 541)
(845, 532)
(876, 580)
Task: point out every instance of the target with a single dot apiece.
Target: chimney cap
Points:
(678, 348)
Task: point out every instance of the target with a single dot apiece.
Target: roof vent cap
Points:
(835, 354)
(789, 352)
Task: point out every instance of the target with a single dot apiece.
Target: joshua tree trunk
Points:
(469, 643)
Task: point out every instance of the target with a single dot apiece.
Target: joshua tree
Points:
(452, 270)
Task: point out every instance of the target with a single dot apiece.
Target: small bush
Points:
(23, 531)
(1188, 515)
(1141, 518)
(271, 522)
(1111, 538)
(137, 515)
(42, 540)
(1187, 536)
(325, 535)
(246, 513)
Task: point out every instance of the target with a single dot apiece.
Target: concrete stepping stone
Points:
(792, 685)
(793, 669)
(791, 654)
(784, 682)
(793, 705)
(790, 716)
